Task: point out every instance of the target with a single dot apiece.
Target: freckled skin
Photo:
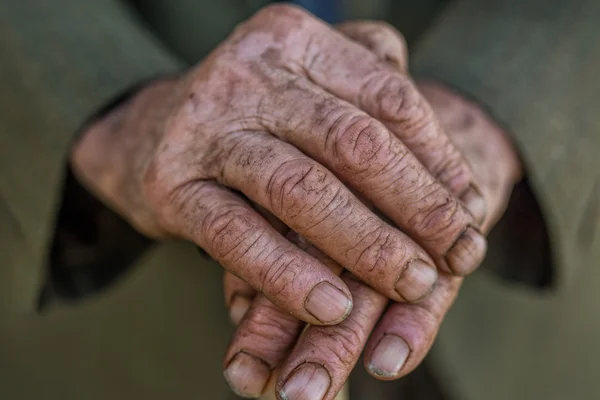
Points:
(305, 122)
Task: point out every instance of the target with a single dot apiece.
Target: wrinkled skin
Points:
(311, 126)
(270, 335)
(267, 349)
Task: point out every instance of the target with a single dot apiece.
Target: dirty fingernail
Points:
(389, 356)
(475, 203)
(238, 308)
(417, 281)
(308, 382)
(327, 303)
(467, 252)
(247, 375)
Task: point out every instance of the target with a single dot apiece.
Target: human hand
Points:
(297, 118)
(323, 357)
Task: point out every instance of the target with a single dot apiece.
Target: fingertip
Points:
(417, 281)
(388, 357)
(309, 381)
(328, 304)
(247, 375)
(475, 203)
(467, 253)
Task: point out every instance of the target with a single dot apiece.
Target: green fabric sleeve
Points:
(534, 65)
(60, 61)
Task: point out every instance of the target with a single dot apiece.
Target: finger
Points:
(270, 393)
(406, 332)
(388, 44)
(391, 97)
(355, 74)
(263, 339)
(322, 359)
(239, 239)
(379, 37)
(486, 147)
(313, 202)
(364, 154)
(238, 296)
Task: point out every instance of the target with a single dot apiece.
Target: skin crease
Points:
(271, 335)
(338, 347)
(292, 115)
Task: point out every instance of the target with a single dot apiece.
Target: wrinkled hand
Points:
(316, 364)
(297, 118)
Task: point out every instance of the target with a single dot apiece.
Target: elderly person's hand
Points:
(316, 364)
(301, 120)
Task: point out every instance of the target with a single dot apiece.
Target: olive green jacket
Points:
(160, 333)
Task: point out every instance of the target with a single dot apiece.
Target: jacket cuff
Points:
(64, 61)
(505, 55)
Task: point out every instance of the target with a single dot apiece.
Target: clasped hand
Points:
(306, 161)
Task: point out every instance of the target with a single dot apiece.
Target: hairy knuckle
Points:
(361, 144)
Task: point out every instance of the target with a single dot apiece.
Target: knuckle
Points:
(277, 19)
(268, 325)
(381, 31)
(381, 253)
(394, 98)
(231, 232)
(374, 31)
(302, 188)
(388, 29)
(361, 143)
(344, 343)
(453, 172)
(438, 216)
(282, 12)
(172, 206)
(280, 275)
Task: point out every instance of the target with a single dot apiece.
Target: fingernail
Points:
(474, 202)
(327, 303)
(389, 356)
(467, 252)
(417, 280)
(308, 382)
(238, 308)
(247, 375)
